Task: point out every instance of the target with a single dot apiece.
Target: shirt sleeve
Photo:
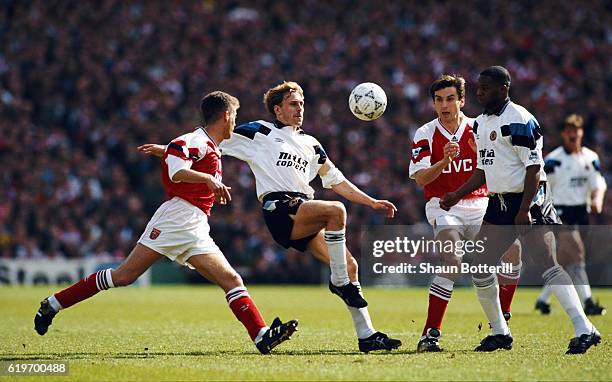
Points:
(526, 139)
(241, 145)
(320, 156)
(183, 151)
(551, 169)
(421, 153)
(596, 179)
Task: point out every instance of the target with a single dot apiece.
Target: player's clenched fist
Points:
(451, 150)
(448, 200)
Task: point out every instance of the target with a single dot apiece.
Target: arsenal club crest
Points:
(154, 233)
(493, 135)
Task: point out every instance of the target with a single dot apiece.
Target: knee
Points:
(451, 259)
(337, 211)
(122, 278)
(230, 281)
(513, 254)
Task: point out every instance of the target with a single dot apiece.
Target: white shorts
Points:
(466, 215)
(179, 230)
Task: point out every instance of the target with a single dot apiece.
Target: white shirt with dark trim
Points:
(573, 176)
(508, 142)
(282, 158)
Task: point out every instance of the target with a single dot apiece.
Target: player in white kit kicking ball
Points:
(284, 160)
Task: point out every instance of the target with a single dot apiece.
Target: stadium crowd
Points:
(83, 83)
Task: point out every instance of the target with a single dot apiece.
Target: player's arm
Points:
(333, 178)
(528, 146)
(431, 173)
(152, 149)
(188, 175)
(597, 199)
(179, 163)
(473, 183)
(598, 186)
(530, 187)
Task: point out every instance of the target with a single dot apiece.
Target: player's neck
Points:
(453, 125)
(572, 150)
(497, 108)
(215, 133)
(283, 124)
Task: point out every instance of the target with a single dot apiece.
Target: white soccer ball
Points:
(367, 101)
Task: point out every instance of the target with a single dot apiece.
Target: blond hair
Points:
(275, 96)
(574, 120)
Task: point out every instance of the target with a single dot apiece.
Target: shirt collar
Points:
(499, 110)
(279, 125)
(201, 130)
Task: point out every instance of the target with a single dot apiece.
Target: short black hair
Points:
(497, 73)
(448, 81)
(213, 105)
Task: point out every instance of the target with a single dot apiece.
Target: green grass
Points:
(188, 333)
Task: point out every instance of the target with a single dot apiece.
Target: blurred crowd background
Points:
(83, 83)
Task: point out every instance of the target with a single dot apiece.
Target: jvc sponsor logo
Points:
(459, 166)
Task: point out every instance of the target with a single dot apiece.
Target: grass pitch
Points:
(188, 334)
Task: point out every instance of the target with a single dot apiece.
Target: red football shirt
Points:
(197, 151)
(428, 149)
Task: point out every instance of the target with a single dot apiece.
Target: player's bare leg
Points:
(440, 292)
(140, 259)
(216, 268)
(315, 215)
(369, 338)
(540, 243)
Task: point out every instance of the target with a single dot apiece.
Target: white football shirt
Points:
(573, 176)
(508, 142)
(282, 158)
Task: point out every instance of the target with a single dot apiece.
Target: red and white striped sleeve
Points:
(183, 151)
(421, 151)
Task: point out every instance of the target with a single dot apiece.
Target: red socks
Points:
(440, 293)
(245, 311)
(85, 288)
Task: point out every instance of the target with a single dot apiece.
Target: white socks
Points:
(54, 303)
(561, 285)
(545, 294)
(361, 319)
(579, 277)
(335, 241)
(487, 291)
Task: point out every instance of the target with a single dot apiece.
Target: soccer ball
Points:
(367, 101)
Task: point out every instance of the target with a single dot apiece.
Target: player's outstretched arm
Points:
(348, 190)
(152, 149)
(473, 183)
(334, 179)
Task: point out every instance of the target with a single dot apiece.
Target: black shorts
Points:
(573, 215)
(276, 207)
(502, 208)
